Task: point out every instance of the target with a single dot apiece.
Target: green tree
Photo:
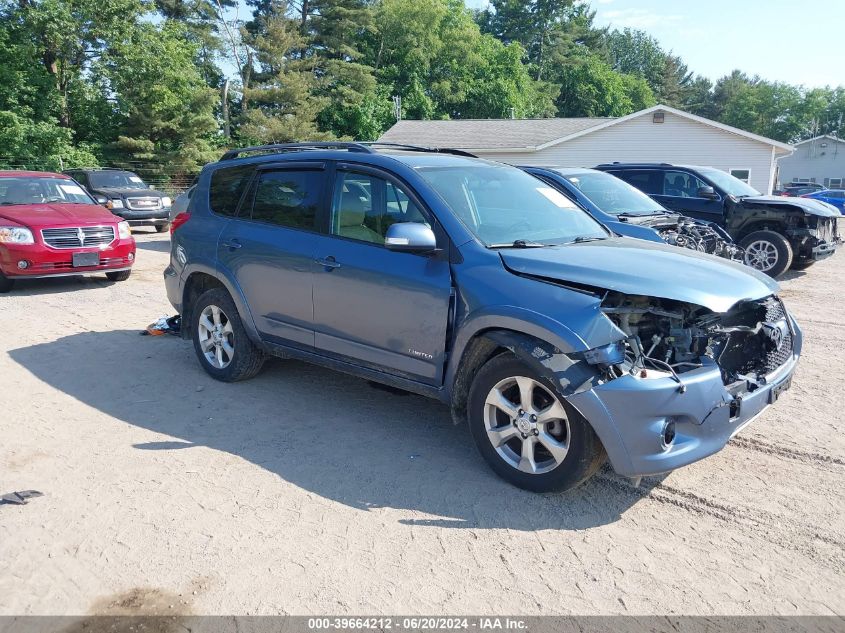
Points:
(68, 35)
(433, 55)
(165, 108)
(592, 88)
(283, 103)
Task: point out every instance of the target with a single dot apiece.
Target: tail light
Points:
(179, 220)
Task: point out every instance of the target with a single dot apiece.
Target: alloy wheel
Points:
(216, 337)
(527, 425)
(762, 255)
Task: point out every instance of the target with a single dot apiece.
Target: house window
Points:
(742, 174)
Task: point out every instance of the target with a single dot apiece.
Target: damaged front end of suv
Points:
(680, 351)
(703, 237)
(685, 379)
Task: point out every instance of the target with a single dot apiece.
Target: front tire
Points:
(220, 340)
(6, 283)
(161, 228)
(768, 252)
(119, 275)
(528, 434)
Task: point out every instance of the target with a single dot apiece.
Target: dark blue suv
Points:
(477, 284)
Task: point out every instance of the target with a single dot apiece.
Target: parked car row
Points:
(560, 343)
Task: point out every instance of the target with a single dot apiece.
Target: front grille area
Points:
(104, 262)
(145, 203)
(78, 236)
(776, 357)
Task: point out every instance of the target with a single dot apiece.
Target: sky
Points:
(780, 40)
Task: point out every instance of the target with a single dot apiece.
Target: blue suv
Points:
(475, 283)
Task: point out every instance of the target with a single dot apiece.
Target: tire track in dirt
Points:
(759, 446)
(786, 532)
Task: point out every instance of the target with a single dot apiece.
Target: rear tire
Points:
(119, 275)
(6, 283)
(223, 348)
(529, 435)
(768, 252)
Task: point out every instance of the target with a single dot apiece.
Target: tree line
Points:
(165, 85)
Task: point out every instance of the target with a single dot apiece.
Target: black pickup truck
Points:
(776, 232)
(126, 195)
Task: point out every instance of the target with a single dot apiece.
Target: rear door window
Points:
(227, 188)
(289, 198)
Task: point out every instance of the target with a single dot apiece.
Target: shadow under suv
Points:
(475, 283)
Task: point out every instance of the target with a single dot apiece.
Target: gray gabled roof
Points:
(487, 133)
(529, 135)
(818, 138)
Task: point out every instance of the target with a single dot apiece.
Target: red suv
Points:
(50, 227)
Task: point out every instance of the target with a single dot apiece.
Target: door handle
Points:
(233, 244)
(328, 262)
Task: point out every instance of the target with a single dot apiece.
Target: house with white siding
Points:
(658, 134)
(819, 160)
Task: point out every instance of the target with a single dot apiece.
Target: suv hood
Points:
(129, 192)
(636, 267)
(56, 214)
(807, 205)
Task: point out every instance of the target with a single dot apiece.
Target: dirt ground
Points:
(304, 491)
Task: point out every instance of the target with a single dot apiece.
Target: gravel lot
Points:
(304, 491)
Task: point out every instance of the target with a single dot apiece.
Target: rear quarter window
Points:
(227, 187)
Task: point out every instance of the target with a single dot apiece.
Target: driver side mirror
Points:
(410, 237)
(708, 192)
(101, 199)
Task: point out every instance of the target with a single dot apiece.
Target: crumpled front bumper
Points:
(630, 413)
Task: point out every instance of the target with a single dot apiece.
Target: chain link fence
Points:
(158, 177)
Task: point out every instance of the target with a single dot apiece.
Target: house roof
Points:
(818, 138)
(487, 133)
(527, 135)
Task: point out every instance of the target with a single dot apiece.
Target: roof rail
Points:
(419, 148)
(295, 147)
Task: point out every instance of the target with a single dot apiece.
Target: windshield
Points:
(502, 205)
(727, 183)
(115, 180)
(38, 190)
(614, 196)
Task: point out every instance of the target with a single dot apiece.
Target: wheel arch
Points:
(560, 371)
(199, 281)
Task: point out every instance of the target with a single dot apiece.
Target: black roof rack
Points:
(419, 148)
(362, 147)
(295, 147)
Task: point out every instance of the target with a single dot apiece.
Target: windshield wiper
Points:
(518, 244)
(627, 214)
(581, 239)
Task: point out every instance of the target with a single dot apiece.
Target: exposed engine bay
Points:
(748, 342)
(701, 237)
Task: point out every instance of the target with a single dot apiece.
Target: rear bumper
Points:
(50, 262)
(629, 415)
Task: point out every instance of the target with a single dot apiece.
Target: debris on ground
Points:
(165, 325)
(19, 497)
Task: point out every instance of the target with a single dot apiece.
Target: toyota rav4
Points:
(474, 283)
